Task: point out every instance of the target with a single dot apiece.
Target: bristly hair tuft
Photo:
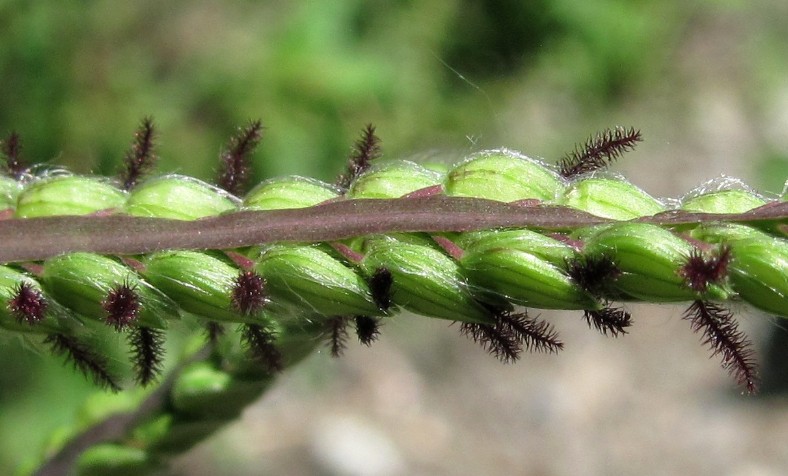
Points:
(122, 306)
(380, 286)
(699, 270)
(235, 165)
(248, 294)
(609, 320)
(365, 150)
(147, 354)
(11, 148)
(28, 304)
(500, 344)
(141, 157)
(593, 273)
(337, 335)
(512, 333)
(260, 343)
(599, 151)
(535, 335)
(721, 333)
(89, 363)
(367, 329)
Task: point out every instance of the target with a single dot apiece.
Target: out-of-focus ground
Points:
(708, 87)
(426, 401)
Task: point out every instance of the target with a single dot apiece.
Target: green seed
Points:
(393, 180)
(82, 282)
(759, 272)
(310, 279)
(505, 176)
(649, 258)
(532, 252)
(68, 195)
(289, 192)
(724, 232)
(179, 198)
(200, 283)
(525, 278)
(610, 198)
(425, 281)
(545, 247)
(724, 201)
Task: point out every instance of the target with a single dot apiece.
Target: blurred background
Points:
(705, 81)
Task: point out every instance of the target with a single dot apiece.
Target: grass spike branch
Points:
(274, 273)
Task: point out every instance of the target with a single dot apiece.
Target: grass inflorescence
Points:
(283, 296)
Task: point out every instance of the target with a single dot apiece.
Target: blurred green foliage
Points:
(77, 76)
